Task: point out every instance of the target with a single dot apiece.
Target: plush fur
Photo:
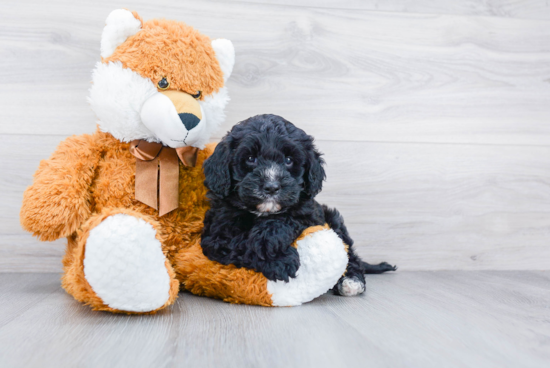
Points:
(121, 255)
(119, 25)
(163, 47)
(127, 240)
(320, 259)
(262, 180)
(117, 96)
(127, 77)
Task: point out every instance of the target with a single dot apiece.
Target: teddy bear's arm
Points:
(323, 260)
(59, 200)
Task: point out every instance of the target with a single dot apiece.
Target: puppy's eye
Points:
(288, 161)
(197, 95)
(163, 84)
(251, 160)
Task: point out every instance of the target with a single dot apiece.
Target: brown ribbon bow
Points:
(157, 171)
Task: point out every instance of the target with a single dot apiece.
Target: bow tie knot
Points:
(157, 173)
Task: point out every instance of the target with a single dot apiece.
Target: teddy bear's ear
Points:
(119, 25)
(226, 56)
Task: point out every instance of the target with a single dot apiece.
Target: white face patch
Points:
(269, 206)
(116, 96)
(272, 173)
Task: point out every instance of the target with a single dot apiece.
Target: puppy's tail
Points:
(378, 268)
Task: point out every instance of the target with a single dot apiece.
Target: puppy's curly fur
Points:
(262, 180)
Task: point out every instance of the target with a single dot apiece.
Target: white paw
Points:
(323, 260)
(124, 264)
(351, 286)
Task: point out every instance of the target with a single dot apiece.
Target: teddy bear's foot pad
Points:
(125, 266)
(323, 260)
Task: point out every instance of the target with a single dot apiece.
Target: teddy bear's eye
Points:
(197, 95)
(163, 84)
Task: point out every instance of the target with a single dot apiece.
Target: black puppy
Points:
(262, 180)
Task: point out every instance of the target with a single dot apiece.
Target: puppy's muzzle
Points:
(272, 187)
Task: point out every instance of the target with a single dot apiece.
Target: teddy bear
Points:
(130, 198)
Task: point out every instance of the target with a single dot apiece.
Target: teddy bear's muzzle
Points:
(189, 120)
(185, 105)
(174, 117)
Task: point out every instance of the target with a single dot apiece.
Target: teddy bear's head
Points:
(160, 80)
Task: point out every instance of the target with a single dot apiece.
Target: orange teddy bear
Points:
(130, 198)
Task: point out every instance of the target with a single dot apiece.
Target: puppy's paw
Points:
(281, 269)
(351, 286)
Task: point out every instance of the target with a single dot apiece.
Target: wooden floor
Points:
(407, 319)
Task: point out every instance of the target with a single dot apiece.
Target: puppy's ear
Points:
(216, 170)
(315, 174)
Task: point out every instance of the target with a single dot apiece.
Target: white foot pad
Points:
(351, 286)
(323, 260)
(124, 264)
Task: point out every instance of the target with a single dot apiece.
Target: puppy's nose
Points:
(189, 120)
(272, 187)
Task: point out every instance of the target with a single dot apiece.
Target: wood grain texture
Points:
(446, 206)
(423, 207)
(346, 74)
(19, 251)
(433, 115)
(534, 9)
(407, 319)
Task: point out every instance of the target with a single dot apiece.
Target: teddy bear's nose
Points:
(189, 120)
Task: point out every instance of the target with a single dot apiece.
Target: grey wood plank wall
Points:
(434, 116)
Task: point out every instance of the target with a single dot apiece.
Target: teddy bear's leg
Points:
(323, 260)
(116, 263)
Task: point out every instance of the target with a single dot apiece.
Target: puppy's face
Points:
(265, 165)
(268, 171)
